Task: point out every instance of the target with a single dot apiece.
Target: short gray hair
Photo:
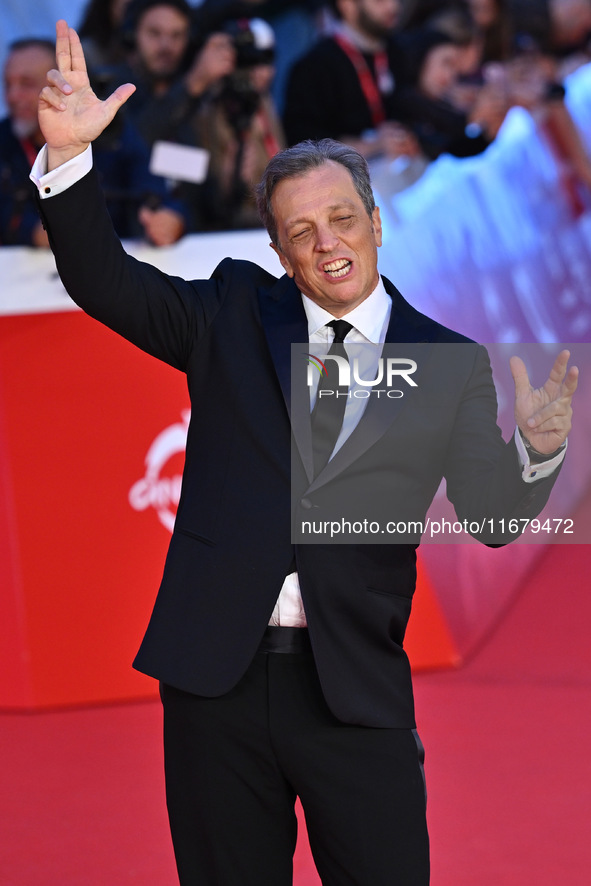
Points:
(302, 158)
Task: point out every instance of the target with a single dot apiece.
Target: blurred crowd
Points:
(224, 85)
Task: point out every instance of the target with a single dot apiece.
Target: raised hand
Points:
(70, 114)
(544, 414)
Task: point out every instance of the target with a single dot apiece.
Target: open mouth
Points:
(338, 268)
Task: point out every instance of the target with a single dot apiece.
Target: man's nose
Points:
(326, 240)
(167, 42)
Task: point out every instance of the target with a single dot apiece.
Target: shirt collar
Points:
(369, 318)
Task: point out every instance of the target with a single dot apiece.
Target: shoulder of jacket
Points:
(242, 271)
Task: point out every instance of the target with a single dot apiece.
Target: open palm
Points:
(70, 114)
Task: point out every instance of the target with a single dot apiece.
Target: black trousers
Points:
(235, 764)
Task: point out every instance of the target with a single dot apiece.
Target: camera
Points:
(254, 43)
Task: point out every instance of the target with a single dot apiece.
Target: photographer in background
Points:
(297, 25)
(170, 73)
(240, 128)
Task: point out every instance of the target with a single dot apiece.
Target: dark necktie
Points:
(329, 411)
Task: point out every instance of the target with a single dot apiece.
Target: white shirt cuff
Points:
(530, 473)
(62, 177)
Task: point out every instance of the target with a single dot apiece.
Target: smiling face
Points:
(327, 242)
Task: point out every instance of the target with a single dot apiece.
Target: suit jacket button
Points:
(306, 504)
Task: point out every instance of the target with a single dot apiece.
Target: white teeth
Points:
(337, 268)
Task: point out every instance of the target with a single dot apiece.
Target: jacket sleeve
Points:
(161, 314)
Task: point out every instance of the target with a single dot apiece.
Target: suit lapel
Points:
(285, 323)
(406, 326)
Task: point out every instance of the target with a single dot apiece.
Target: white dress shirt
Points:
(370, 321)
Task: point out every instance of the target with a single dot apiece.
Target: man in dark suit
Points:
(282, 666)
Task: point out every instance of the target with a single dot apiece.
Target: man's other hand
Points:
(544, 415)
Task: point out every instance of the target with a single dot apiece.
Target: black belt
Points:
(278, 639)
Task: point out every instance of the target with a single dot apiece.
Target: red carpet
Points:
(508, 742)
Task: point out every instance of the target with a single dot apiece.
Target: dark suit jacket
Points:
(231, 546)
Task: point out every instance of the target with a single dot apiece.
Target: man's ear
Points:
(377, 225)
(283, 259)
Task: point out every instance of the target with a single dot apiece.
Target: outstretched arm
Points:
(544, 415)
(163, 315)
(70, 114)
